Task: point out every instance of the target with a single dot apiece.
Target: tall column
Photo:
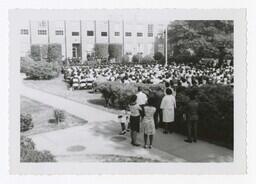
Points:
(30, 34)
(108, 32)
(81, 40)
(166, 59)
(48, 30)
(65, 30)
(123, 36)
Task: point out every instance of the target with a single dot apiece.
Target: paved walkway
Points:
(98, 140)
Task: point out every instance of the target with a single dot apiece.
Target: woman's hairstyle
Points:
(168, 91)
(151, 101)
(133, 99)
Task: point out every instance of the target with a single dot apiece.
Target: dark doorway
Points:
(76, 50)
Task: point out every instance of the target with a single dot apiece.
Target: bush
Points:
(136, 58)
(46, 52)
(101, 51)
(54, 52)
(115, 51)
(35, 53)
(147, 60)
(125, 59)
(215, 107)
(28, 153)
(59, 115)
(158, 56)
(39, 70)
(25, 122)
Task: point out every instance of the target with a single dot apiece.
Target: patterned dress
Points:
(148, 124)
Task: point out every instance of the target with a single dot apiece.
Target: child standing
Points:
(134, 120)
(123, 119)
(148, 124)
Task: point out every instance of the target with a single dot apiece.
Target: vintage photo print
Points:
(129, 91)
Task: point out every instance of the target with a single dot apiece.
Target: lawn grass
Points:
(43, 117)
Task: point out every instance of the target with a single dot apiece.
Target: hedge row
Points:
(25, 122)
(215, 106)
(46, 52)
(39, 70)
(28, 152)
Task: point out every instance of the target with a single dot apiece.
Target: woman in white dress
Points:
(168, 106)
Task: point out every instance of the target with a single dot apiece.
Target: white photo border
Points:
(238, 166)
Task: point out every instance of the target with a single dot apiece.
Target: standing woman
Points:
(168, 106)
(134, 120)
(148, 124)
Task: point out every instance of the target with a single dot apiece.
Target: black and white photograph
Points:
(126, 87)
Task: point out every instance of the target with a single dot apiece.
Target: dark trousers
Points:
(192, 129)
(158, 118)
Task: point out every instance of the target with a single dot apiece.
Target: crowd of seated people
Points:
(80, 77)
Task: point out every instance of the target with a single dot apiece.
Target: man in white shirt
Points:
(141, 97)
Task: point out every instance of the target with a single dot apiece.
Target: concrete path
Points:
(99, 140)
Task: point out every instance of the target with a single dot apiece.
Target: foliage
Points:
(215, 106)
(125, 59)
(59, 115)
(25, 122)
(136, 58)
(54, 52)
(39, 70)
(35, 52)
(115, 51)
(147, 60)
(101, 51)
(201, 38)
(46, 52)
(28, 152)
(159, 57)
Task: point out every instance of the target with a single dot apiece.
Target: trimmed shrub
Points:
(59, 115)
(101, 51)
(39, 70)
(158, 56)
(24, 64)
(115, 51)
(28, 152)
(136, 58)
(54, 52)
(125, 59)
(147, 60)
(35, 52)
(215, 107)
(46, 52)
(25, 122)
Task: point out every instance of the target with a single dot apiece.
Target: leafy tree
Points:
(101, 51)
(115, 51)
(201, 38)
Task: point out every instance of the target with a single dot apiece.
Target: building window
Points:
(139, 34)
(75, 33)
(128, 34)
(42, 32)
(90, 33)
(117, 33)
(104, 34)
(24, 31)
(150, 34)
(59, 32)
(150, 30)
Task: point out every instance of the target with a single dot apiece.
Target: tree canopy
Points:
(201, 38)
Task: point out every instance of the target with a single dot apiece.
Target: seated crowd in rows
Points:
(178, 74)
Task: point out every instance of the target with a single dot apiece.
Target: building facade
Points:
(78, 38)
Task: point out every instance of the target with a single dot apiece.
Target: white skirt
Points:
(168, 115)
